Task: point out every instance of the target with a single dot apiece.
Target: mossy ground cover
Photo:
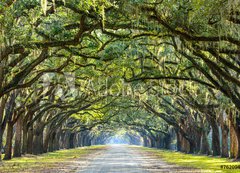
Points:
(205, 163)
(48, 161)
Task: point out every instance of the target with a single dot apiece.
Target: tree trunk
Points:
(204, 149)
(167, 141)
(225, 141)
(51, 142)
(8, 120)
(179, 147)
(2, 127)
(185, 145)
(61, 139)
(18, 138)
(81, 139)
(215, 138)
(86, 140)
(56, 145)
(30, 140)
(145, 141)
(67, 140)
(1, 139)
(153, 143)
(196, 136)
(71, 140)
(24, 146)
(38, 143)
(38, 138)
(8, 149)
(158, 142)
(234, 137)
(233, 142)
(46, 143)
(190, 147)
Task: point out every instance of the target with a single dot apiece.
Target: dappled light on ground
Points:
(57, 162)
(123, 159)
(204, 163)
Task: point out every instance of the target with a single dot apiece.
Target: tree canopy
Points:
(76, 73)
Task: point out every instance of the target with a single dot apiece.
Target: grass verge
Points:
(205, 163)
(49, 161)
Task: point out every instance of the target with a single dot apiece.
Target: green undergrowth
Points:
(205, 163)
(51, 160)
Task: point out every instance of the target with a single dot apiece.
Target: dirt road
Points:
(125, 159)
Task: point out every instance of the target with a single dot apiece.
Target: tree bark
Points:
(179, 146)
(215, 137)
(8, 149)
(46, 143)
(167, 140)
(234, 137)
(158, 142)
(18, 138)
(30, 140)
(225, 141)
(1, 144)
(145, 141)
(56, 144)
(2, 126)
(224, 134)
(24, 145)
(51, 142)
(38, 138)
(186, 146)
(38, 142)
(71, 140)
(204, 149)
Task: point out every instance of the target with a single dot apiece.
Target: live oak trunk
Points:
(18, 138)
(225, 141)
(184, 144)
(215, 137)
(1, 138)
(30, 140)
(204, 149)
(191, 148)
(145, 141)
(179, 146)
(8, 148)
(71, 140)
(81, 139)
(46, 143)
(85, 143)
(234, 137)
(56, 145)
(158, 142)
(38, 143)
(51, 142)
(234, 153)
(67, 140)
(167, 141)
(9, 110)
(24, 145)
(2, 126)
(38, 138)
(224, 130)
(61, 139)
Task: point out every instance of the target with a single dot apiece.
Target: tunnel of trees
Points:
(164, 73)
